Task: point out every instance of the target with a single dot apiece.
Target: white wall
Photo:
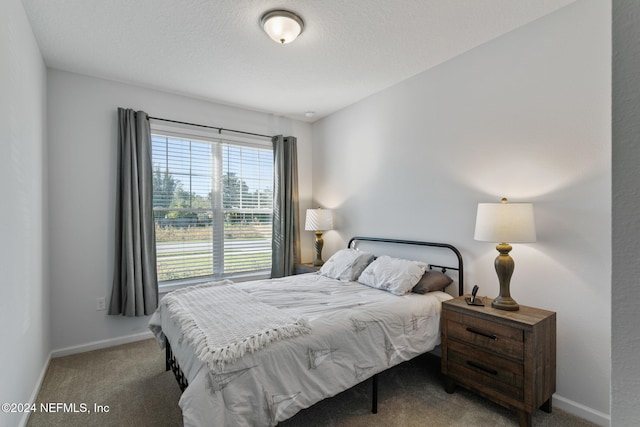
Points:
(82, 166)
(526, 116)
(625, 394)
(24, 305)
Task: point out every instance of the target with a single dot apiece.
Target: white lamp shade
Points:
(282, 26)
(319, 220)
(505, 223)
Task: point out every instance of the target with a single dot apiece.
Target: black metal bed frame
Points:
(172, 364)
(459, 268)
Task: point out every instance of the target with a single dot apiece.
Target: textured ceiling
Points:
(216, 50)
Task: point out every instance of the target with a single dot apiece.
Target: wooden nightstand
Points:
(306, 268)
(508, 357)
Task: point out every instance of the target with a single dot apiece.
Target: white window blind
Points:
(213, 203)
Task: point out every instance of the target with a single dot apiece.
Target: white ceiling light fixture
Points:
(282, 26)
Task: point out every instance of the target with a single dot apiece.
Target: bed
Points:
(306, 337)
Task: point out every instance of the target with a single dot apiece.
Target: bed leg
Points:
(167, 355)
(172, 364)
(374, 396)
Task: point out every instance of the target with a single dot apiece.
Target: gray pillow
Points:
(432, 281)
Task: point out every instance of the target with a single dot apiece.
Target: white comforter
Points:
(356, 332)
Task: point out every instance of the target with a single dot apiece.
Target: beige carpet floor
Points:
(131, 382)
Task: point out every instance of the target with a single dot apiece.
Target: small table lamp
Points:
(505, 222)
(319, 220)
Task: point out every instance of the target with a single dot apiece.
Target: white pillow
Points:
(346, 265)
(394, 275)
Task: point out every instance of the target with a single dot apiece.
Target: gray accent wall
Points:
(625, 331)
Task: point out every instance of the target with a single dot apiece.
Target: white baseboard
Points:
(581, 411)
(36, 390)
(97, 345)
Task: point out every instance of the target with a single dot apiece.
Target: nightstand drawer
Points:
(485, 369)
(495, 337)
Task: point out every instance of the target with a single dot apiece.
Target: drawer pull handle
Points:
(484, 334)
(482, 368)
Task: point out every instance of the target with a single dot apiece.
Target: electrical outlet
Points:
(100, 304)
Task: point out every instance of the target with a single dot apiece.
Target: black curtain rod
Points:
(210, 127)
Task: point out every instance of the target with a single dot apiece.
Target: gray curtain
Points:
(286, 228)
(135, 283)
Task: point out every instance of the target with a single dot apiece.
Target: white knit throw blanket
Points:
(222, 322)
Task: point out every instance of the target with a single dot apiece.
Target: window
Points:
(212, 203)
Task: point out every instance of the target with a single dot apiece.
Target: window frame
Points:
(183, 131)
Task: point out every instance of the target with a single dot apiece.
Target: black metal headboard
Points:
(459, 268)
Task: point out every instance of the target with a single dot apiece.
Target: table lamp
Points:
(318, 220)
(505, 222)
